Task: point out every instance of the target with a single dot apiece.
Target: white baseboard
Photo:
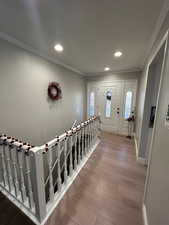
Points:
(145, 220)
(140, 160)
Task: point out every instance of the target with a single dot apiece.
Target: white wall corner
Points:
(144, 211)
(140, 160)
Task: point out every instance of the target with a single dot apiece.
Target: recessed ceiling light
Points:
(118, 54)
(58, 48)
(106, 69)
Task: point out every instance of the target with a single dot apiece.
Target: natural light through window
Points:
(128, 105)
(91, 104)
(108, 104)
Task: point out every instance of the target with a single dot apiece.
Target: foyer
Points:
(108, 190)
(84, 112)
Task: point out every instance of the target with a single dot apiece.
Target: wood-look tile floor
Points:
(108, 190)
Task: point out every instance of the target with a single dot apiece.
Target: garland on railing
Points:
(13, 142)
(69, 132)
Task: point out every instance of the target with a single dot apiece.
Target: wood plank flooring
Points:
(108, 190)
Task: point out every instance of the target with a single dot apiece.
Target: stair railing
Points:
(36, 178)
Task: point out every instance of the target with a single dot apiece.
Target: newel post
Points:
(38, 186)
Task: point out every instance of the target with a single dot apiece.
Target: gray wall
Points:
(157, 189)
(143, 84)
(152, 89)
(25, 110)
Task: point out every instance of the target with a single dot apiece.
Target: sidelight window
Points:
(108, 104)
(92, 104)
(128, 105)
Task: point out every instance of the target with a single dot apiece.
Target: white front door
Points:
(109, 107)
(114, 102)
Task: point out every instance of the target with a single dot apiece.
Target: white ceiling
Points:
(89, 30)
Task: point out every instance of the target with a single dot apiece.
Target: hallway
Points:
(108, 190)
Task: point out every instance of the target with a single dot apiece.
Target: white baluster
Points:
(59, 170)
(82, 140)
(20, 163)
(97, 127)
(3, 168)
(87, 128)
(28, 175)
(92, 133)
(93, 125)
(84, 132)
(95, 130)
(51, 188)
(89, 135)
(8, 165)
(75, 149)
(65, 160)
(85, 137)
(79, 148)
(71, 158)
(14, 163)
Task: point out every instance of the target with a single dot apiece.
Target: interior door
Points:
(110, 107)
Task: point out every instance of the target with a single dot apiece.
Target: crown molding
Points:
(131, 70)
(159, 23)
(28, 48)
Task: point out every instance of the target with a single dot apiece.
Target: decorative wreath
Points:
(54, 91)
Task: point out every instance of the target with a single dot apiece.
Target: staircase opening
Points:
(36, 178)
